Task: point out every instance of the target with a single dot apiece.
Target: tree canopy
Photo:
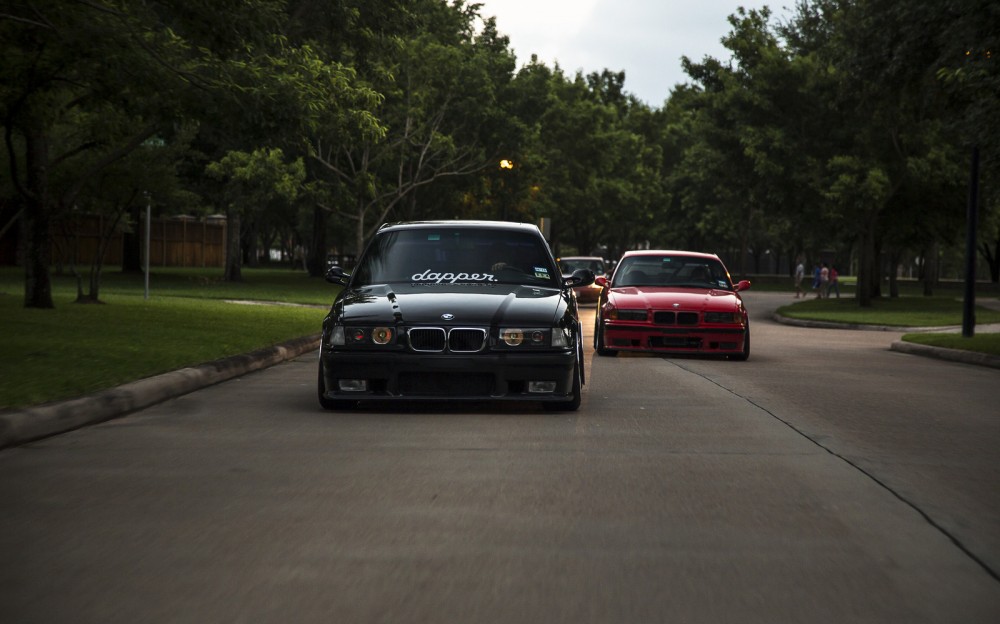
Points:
(842, 132)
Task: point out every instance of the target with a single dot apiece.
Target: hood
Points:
(470, 304)
(659, 298)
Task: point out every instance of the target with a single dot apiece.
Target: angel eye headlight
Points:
(512, 337)
(382, 335)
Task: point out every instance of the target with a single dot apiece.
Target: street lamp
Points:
(505, 165)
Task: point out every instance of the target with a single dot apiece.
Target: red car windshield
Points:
(672, 272)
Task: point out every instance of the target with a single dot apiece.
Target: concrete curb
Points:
(952, 355)
(33, 423)
(911, 348)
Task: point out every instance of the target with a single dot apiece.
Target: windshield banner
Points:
(452, 278)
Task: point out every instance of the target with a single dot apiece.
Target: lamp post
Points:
(505, 165)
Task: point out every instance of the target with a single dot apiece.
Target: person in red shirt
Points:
(834, 283)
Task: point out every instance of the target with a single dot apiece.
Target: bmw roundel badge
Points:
(448, 317)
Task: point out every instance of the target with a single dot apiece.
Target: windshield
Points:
(570, 265)
(444, 255)
(673, 272)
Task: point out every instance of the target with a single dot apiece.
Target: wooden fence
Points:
(174, 242)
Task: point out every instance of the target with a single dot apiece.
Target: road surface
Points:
(827, 479)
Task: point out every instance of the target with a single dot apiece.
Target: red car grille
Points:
(665, 317)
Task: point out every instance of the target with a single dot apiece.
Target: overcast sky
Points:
(645, 38)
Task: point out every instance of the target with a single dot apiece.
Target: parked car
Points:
(453, 310)
(679, 302)
(570, 264)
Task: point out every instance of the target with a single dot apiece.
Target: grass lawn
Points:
(76, 348)
(901, 312)
(290, 286)
(981, 343)
(904, 312)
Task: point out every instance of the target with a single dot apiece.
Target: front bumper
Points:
(403, 375)
(688, 340)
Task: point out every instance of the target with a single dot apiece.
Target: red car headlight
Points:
(723, 317)
(628, 315)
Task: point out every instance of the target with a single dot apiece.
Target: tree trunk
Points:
(132, 243)
(316, 264)
(992, 259)
(930, 269)
(894, 257)
(866, 268)
(38, 243)
(359, 234)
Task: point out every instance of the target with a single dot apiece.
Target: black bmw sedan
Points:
(453, 310)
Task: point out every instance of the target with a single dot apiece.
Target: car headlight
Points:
(512, 337)
(627, 315)
(561, 337)
(337, 337)
(516, 337)
(382, 335)
(722, 317)
(341, 336)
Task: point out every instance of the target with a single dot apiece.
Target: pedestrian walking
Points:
(800, 274)
(834, 284)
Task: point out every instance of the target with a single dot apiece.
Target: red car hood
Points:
(660, 298)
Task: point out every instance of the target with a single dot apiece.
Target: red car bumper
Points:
(694, 340)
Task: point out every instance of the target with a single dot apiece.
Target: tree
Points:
(440, 88)
(253, 181)
(69, 65)
(122, 188)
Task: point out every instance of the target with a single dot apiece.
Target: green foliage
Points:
(844, 130)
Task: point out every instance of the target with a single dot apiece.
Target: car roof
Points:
(669, 252)
(461, 223)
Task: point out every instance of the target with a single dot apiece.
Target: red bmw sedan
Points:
(672, 302)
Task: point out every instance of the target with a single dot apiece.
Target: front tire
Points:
(599, 341)
(574, 403)
(745, 355)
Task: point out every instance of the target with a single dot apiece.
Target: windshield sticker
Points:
(452, 278)
(541, 270)
(434, 237)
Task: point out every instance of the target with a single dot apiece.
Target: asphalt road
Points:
(828, 479)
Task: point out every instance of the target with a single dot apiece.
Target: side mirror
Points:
(601, 281)
(336, 275)
(743, 285)
(580, 277)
